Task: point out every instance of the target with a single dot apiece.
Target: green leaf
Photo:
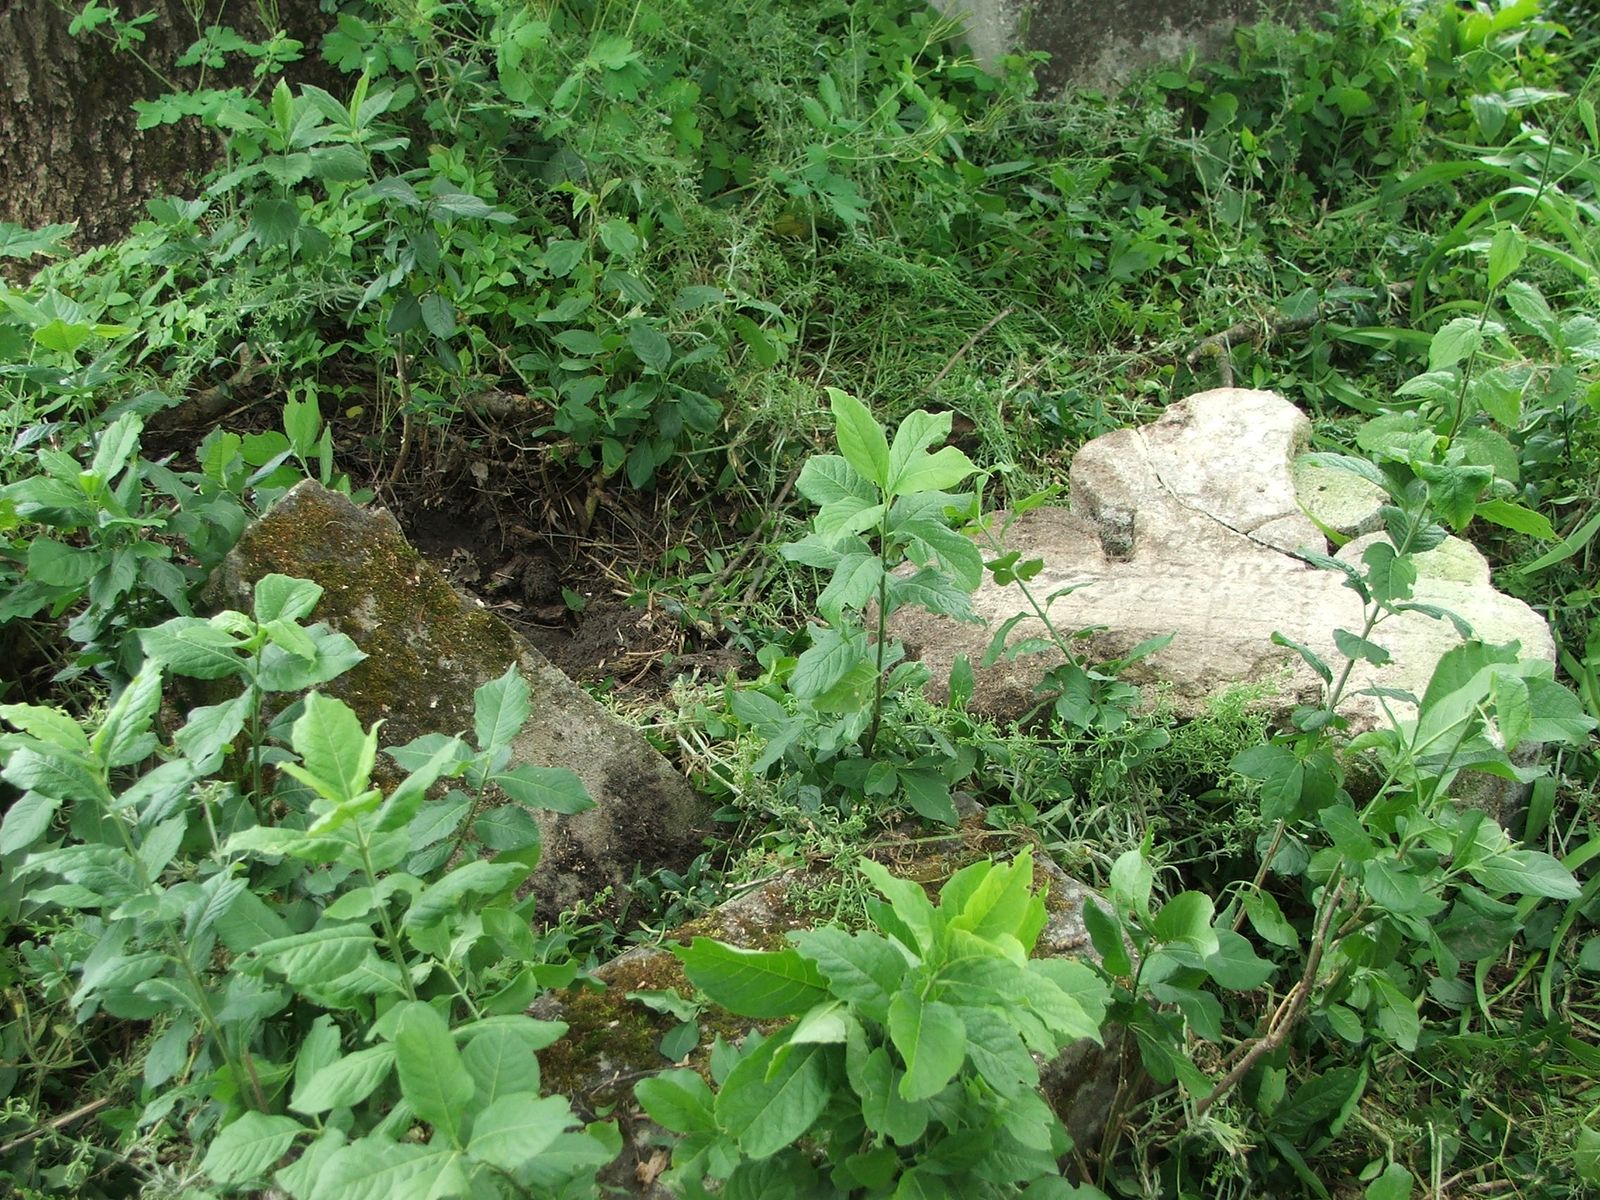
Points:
(551, 789)
(1359, 648)
(652, 347)
(678, 1100)
(753, 983)
(959, 556)
(439, 315)
(1187, 918)
(192, 647)
(502, 1060)
(1234, 964)
(885, 1111)
(518, 1127)
(1311, 658)
(1132, 879)
(374, 1168)
(767, 1110)
(1267, 919)
(53, 726)
(1507, 249)
(862, 968)
(1586, 1155)
(318, 955)
(500, 709)
(560, 257)
(432, 1077)
(1518, 518)
(938, 472)
(345, 1082)
(910, 904)
(1106, 935)
(26, 821)
(992, 901)
(827, 478)
(929, 796)
(334, 748)
(281, 598)
(211, 729)
(1458, 339)
(861, 439)
(854, 584)
(1396, 1014)
(477, 879)
(245, 1151)
(931, 1040)
(1525, 873)
(51, 771)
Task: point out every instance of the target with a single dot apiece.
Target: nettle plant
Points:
(882, 505)
(328, 988)
(906, 1067)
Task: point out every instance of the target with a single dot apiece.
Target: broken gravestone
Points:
(1188, 526)
(615, 1035)
(428, 648)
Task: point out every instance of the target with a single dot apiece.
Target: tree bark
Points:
(69, 146)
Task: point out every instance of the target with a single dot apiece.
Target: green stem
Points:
(883, 634)
(390, 936)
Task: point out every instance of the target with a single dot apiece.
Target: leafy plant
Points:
(908, 1065)
(311, 998)
(881, 505)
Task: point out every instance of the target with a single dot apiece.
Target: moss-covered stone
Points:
(428, 649)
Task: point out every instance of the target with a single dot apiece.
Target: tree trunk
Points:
(69, 146)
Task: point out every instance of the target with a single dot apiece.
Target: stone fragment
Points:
(429, 648)
(1188, 526)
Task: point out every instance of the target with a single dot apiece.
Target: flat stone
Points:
(429, 648)
(1188, 526)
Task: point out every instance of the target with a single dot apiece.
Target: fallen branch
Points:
(969, 344)
(1259, 333)
(1288, 1013)
(56, 1124)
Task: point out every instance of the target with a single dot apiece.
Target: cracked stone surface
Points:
(1188, 526)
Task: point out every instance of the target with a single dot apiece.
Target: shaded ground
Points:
(573, 597)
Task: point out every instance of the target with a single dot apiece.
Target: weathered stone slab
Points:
(1187, 526)
(429, 648)
(1099, 45)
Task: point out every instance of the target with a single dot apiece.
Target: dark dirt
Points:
(566, 595)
